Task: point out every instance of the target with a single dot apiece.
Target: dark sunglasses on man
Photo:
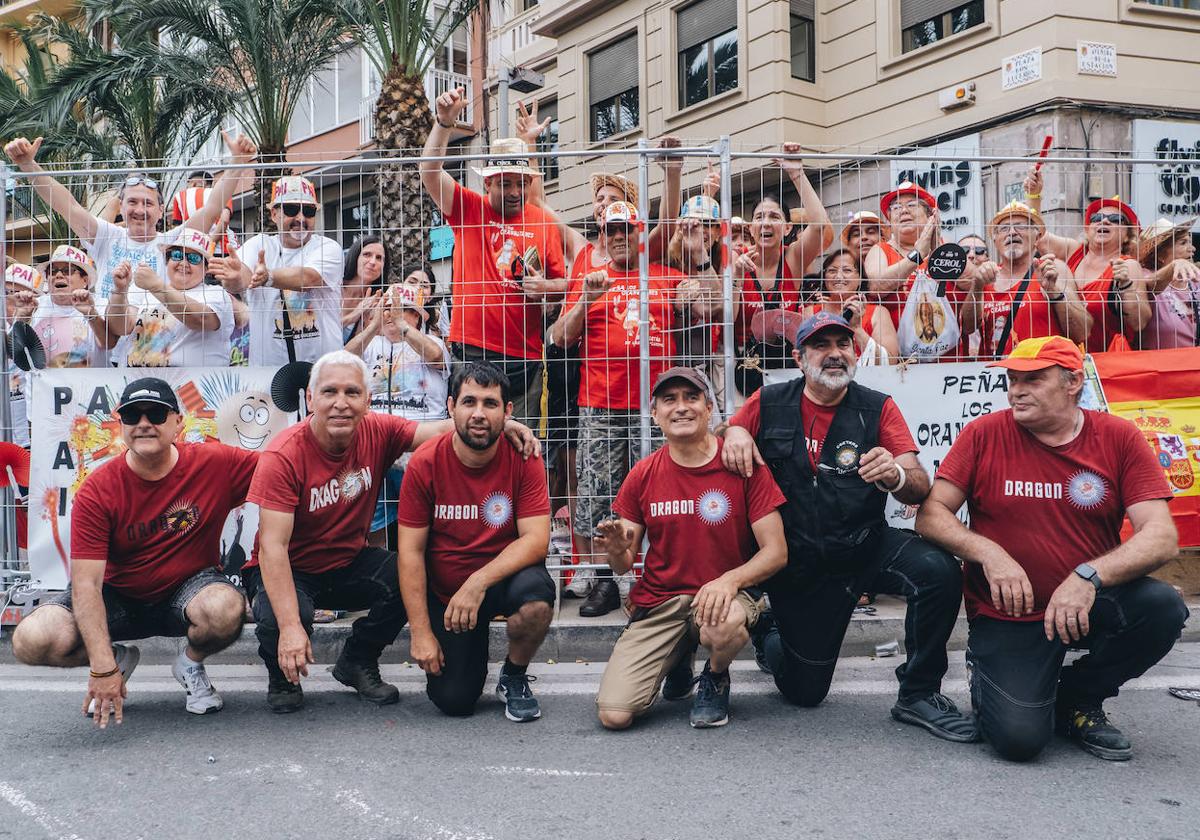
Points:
(131, 415)
(292, 210)
(977, 250)
(618, 227)
(66, 268)
(178, 255)
(1111, 218)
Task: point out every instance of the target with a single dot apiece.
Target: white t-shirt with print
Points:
(417, 390)
(67, 336)
(113, 245)
(315, 314)
(160, 339)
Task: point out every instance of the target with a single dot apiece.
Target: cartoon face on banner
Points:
(77, 431)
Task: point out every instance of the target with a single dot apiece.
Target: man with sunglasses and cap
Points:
(1048, 486)
(712, 537)
(69, 319)
(292, 280)
(601, 316)
(145, 548)
(1021, 295)
(837, 450)
(141, 202)
(508, 258)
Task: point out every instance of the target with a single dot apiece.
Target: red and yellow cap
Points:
(1044, 352)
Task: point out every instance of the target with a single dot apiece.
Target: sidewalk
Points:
(580, 640)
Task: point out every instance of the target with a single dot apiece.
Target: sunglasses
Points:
(1111, 218)
(135, 180)
(131, 415)
(291, 210)
(178, 255)
(621, 228)
(66, 269)
(977, 250)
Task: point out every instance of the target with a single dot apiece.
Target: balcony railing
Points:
(437, 82)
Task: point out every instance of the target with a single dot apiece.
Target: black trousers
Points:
(1017, 675)
(464, 669)
(371, 582)
(812, 615)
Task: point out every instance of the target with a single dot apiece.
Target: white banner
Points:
(955, 183)
(1170, 189)
(75, 430)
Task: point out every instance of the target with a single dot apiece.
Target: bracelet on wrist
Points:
(438, 120)
(1126, 287)
(106, 674)
(1061, 297)
(899, 483)
(1033, 195)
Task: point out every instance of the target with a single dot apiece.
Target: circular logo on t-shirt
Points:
(847, 455)
(497, 510)
(352, 484)
(183, 516)
(713, 507)
(1087, 490)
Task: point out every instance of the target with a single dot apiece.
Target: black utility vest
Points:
(832, 518)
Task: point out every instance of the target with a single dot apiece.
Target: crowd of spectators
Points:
(558, 308)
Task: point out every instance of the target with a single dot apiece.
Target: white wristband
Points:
(899, 484)
(270, 279)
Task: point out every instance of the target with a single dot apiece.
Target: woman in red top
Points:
(841, 294)
(913, 218)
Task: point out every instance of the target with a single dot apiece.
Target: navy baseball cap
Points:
(149, 390)
(820, 322)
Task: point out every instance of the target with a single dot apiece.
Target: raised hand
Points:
(449, 105)
(528, 127)
(791, 166)
(121, 277)
(20, 151)
(261, 274)
(144, 277)
(595, 284)
(1048, 276)
(670, 141)
(242, 149)
(712, 181)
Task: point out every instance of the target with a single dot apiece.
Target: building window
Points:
(924, 22)
(613, 88)
(331, 98)
(455, 56)
(1194, 5)
(708, 50)
(803, 40)
(548, 142)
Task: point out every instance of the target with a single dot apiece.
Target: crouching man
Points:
(713, 535)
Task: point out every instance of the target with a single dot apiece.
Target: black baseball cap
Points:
(149, 390)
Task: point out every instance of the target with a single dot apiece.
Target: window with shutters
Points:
(708, 50)
(924, 22)
(804, 40)
(613, 88)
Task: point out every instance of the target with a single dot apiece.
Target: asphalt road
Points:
(345, 769)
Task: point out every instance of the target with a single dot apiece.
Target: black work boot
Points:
(363, 677)
(283, 696)
(1090, 727)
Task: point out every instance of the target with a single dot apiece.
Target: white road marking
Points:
(541, 771)
(47, 821)
(353, 801)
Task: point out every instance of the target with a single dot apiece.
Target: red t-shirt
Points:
(697, 519)
(471, 513)
(785, 294)
(1034, 317)
(1050, 508)
(332, 496)
(611, 343)
(154, 535)
(894, 435)
(489, 308)
(1105, 321)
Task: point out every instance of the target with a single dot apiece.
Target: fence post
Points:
(644, 297)
(8, 499)
(727, 343)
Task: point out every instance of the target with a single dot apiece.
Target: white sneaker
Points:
(202, 698)
(127, 657)
(624, 584)
(581, 582)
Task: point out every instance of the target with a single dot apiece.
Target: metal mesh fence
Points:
(584, 288)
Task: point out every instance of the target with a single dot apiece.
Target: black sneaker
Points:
(762, 628)
(364, 678)
(603, 599)
(1092, 729)
(679, 681)
(711, 706)
(520, 706)
(938, 714)
(283, 696)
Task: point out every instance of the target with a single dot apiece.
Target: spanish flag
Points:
(1159, 391)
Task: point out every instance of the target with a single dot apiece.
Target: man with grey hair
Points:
(837, 450)
(316, 486)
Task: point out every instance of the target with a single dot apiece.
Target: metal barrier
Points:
(660, 311)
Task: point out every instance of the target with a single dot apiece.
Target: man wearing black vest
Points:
(836, 450)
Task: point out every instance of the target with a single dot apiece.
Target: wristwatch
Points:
(914, 256)
(1089, 574)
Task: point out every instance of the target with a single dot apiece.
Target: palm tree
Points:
(401, 39)
(258, 56)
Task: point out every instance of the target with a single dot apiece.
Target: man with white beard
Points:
(837, 450)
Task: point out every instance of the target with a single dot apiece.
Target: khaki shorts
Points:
(651, 644)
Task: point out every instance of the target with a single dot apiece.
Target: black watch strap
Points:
(1089, 574)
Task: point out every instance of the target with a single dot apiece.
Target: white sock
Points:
(185, 662)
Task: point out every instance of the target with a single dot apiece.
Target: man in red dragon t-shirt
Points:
(145, 548)
(713, 536)
(1048, 485)
(474, 529)
(316, 487)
